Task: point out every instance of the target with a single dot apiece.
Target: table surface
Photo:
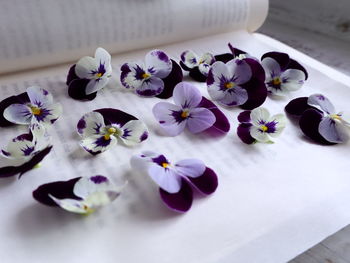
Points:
(334, 52)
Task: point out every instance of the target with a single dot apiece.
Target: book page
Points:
(46, 32)
(273, 200)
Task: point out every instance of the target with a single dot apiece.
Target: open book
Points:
(273, 201)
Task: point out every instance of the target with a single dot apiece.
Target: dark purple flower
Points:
(25, 151)
(283, 74)
(177, 180)
(319, 120)
(82, 195)
(89, 75)
(198, 66)
(157, 77)
(101, 129)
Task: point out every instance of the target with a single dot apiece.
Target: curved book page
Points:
(50, 32)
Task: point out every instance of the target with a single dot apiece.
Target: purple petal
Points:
(114, 116)
(322, 102)
(184, 67)
(19, 99)
(235, 51)
(166, 178)
(333, 131)
(207, 183)
(244, 116)
(59, 189)
(200, 119)
(186, 95)
(190, 168)
(158, 63)
(309, 124)
(171, 81)
(257, 94)
(297, 106)
(221, 122)
(226, 57)
(243, 132)
(258, 71)
(151, 87)
(197, 75)
(71, 75)
(281, 58)
(180, 201)
(76, 90)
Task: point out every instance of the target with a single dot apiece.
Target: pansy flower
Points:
(176, 180)
(198, 66)
(82, 195)
(319, 120)
(89, 75)
(258, 126)
(283, 74)
(25, 151)
(188, 111)
(101, 129)
(239, 82)
(156, 77)
(235, 54)
(36, 105)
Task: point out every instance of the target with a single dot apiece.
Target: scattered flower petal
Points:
(176, 180)
(101, 129)
(82, 195)
(89, 75)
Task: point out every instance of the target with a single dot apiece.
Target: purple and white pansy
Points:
(177, 180)
(89, 75)
(156, 77)
(283, 74)
(101, 129)
(319, 120)
(81, 195)
(25, 151)
(189, 110)
(258, 126)
(198, 66)
(36, 106)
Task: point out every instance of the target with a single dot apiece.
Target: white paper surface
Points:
(273, 201)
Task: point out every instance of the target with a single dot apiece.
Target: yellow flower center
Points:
(35, 110)
(99, 75)
(165, 165)
(336, 117)
(88, 209)
(229, 85)
(107, 137)
(185, 114)
(112, 130)
(264, 128)
(145, 75)
(276, 81)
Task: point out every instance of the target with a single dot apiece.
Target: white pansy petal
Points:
(258, 135)
(151, 87)
(142, 161)
(321, 102)
(39, 96)
(134, 132)
(99, 199)
(133, 78)
(97, 144)
(102, 57)
(49, 114)
(200, 119)
(292, 79)
(333, 131)
(86, 67)
(271, 67)
(165, 178)
(88, 185)
(18, 113)
(207, 58)
(20, 147)
(239, 70)
(186, 95)
(189, 58)
(236, 96)
(91, 123)
(204, 68)
(95, 85)
(158, 63)
(71, 205)
(280, 123)
(259, 116)
(190, 167)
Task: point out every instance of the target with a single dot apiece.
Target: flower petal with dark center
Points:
(206, 183)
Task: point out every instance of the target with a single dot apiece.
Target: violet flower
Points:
(319, 120)
(157, 77)
(101, 129)
(25, 151)
(176, 180)
(235, 54)
(89, 75)
(82, 195)
(36, 106)
(188, 111)
(198, 66)
(258, 126)
(283, 74)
